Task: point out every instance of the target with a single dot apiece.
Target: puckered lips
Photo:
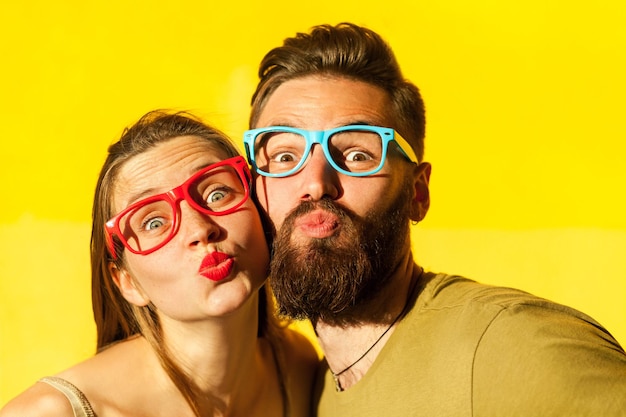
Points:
(317, 224)
(216, 266)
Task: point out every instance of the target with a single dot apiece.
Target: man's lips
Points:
(216, 266)
(317, 224)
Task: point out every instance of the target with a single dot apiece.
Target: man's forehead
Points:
(322, 103)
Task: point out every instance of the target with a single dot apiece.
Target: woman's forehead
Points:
(163, 167)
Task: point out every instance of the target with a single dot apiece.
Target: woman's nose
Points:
(198, 228)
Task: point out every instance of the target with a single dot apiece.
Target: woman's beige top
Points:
(79, 402)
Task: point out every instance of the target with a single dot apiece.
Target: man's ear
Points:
(421, 198)
(129, 289)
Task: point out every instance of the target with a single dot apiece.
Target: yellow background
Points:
(526, 133)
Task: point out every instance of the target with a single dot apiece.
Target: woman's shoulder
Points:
(40, 400)
(114, 368)
(58, 395)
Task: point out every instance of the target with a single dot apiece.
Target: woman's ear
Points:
(130, 290)
(421, 198)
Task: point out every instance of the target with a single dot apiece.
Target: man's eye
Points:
(357, 156)
(284, 157)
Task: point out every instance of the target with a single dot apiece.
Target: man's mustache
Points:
(325, 203)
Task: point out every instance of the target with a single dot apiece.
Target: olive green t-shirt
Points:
(467, 349)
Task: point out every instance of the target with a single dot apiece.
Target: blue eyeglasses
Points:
(354, 150)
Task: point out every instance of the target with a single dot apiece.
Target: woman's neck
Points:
(223, 357)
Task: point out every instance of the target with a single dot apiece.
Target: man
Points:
(337, 146)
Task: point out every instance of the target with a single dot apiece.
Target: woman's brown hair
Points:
(117, 319)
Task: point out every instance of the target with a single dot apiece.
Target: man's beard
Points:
(331, 279)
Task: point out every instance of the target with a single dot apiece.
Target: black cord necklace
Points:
(406, 304)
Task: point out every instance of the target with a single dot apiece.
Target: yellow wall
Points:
(526, 134)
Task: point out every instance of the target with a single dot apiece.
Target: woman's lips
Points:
(216, 266)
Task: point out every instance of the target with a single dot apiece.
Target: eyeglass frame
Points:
(173, 197)
(322, 137)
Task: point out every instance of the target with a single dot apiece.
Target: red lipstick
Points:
(216, 266)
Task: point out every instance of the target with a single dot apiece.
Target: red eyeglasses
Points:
(149, 224)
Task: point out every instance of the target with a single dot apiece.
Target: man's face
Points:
(316, 103)
(348, 233)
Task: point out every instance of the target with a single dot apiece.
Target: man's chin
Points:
(327, 278)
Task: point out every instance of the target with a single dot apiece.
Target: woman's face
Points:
(214, 264)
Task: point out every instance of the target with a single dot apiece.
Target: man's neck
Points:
(351, 349)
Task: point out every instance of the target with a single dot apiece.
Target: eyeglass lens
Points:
(351, 150)
(154, 220)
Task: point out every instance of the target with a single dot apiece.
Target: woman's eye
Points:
(154, 223)
(216, 196)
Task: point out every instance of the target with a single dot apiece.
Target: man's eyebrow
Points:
(361, 123)
(282, 124)
(351, 123)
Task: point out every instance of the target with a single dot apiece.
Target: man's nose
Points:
(319, 178)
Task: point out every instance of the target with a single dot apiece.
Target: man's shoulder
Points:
(451, 290)
(483, 306)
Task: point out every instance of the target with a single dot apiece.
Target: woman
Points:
(179, 257)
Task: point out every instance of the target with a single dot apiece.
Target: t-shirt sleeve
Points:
(547, 360)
